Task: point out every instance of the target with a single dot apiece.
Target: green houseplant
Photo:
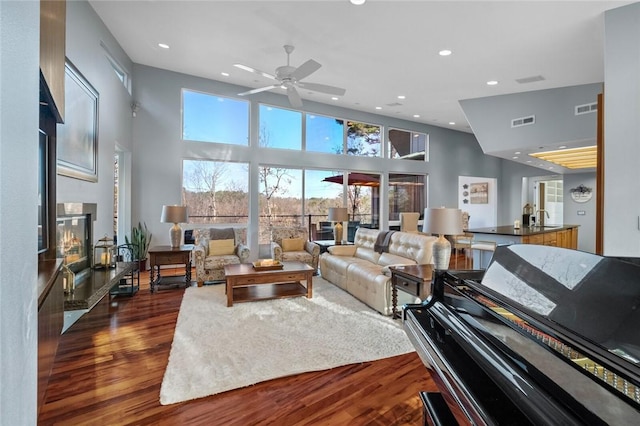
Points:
(140, 241)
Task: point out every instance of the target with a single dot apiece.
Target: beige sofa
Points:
(363, 271)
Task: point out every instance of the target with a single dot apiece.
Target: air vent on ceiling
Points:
(531, 79)
(394, 104)
(586, 108)
(523, 121)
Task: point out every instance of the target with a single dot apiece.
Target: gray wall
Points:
(158, 149)
(85, 32)
(19, 57)
(622, 132)
(555, 120)
(587, 222)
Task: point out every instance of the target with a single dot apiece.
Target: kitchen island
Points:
(565, 236)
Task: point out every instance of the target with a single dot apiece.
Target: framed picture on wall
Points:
(479, 193)
(77, 139)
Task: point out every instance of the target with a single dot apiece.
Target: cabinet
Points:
(566, 238)
(53, 15)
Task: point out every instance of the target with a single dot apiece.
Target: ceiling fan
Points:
(289, 78)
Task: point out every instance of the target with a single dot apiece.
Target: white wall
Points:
(19, 82)
(480, 215)
(85, 32)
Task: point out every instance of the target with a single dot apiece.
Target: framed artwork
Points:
(581, 194)
(479, 193)
(77, 139)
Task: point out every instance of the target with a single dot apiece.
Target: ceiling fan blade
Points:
(331, 90)
(305, 70)
(256, 71)
(258, 90)
(294, 97)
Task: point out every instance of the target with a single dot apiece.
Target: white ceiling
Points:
(377, 51)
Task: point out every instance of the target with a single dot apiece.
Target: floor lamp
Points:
(175, 215)
(442, 221)
(338, 215)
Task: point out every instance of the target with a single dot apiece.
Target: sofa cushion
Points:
(221, 247)
(346, 250)
(293, 244)
(393, 259)
(367, 254)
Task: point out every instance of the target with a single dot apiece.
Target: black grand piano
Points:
(544, 336)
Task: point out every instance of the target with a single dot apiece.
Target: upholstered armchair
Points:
(215, 248)
(293, 244)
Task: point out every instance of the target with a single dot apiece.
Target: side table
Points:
(412, 279)
(167, 255)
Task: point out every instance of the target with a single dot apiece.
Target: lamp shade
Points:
(174, 214)
(338, 214)
(442, 221)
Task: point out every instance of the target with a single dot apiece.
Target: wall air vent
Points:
(523, 121)
(531, 79)
(586, 108)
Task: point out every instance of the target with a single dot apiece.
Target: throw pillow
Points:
(293, 244)
(221, 247)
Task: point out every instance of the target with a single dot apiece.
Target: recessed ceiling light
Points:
(402, 97)
(444, 52)
(515, 157)
(517, 153)
(416, 115)
(357, 2)
(453, 123)
(226, 74)
(334, 98)
(528, 161)
(562, 147)
(164, 46)
(492, 82)
(378, 107)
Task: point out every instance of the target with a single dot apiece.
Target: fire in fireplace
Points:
(74, 224)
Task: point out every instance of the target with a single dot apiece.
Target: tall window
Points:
(363, 139)
(280, 199)
(406, 145)
(363, 198)
(215, 191)
(322, 189)
(406, 194)
(280, 128)
(210, 118)
(324, 134)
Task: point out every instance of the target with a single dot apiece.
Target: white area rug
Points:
(216, 349)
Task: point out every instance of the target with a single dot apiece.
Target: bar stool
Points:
(483, 247)
(462, 242)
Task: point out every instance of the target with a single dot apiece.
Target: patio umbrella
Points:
(357, 179)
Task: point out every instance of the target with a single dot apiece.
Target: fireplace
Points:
(74, 225)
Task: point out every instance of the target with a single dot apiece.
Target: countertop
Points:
(520, 232)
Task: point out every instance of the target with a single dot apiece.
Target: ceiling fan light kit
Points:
(289, 78)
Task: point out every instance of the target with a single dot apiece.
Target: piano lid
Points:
(595, 297)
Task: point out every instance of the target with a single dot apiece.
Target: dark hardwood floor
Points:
(110, 365)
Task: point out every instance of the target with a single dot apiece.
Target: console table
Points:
(412, 279)
(167, 255)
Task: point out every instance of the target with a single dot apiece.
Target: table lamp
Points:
(175, 215)
(338, 215)
(442, 221)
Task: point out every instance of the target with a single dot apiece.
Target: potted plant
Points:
(140, 241)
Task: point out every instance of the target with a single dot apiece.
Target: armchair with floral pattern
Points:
(292, 243)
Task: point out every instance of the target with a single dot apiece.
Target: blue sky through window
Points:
(280, 128)
(209, 118)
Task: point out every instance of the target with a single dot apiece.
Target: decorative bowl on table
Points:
(267, 265)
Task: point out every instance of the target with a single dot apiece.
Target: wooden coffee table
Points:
(245, 283)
